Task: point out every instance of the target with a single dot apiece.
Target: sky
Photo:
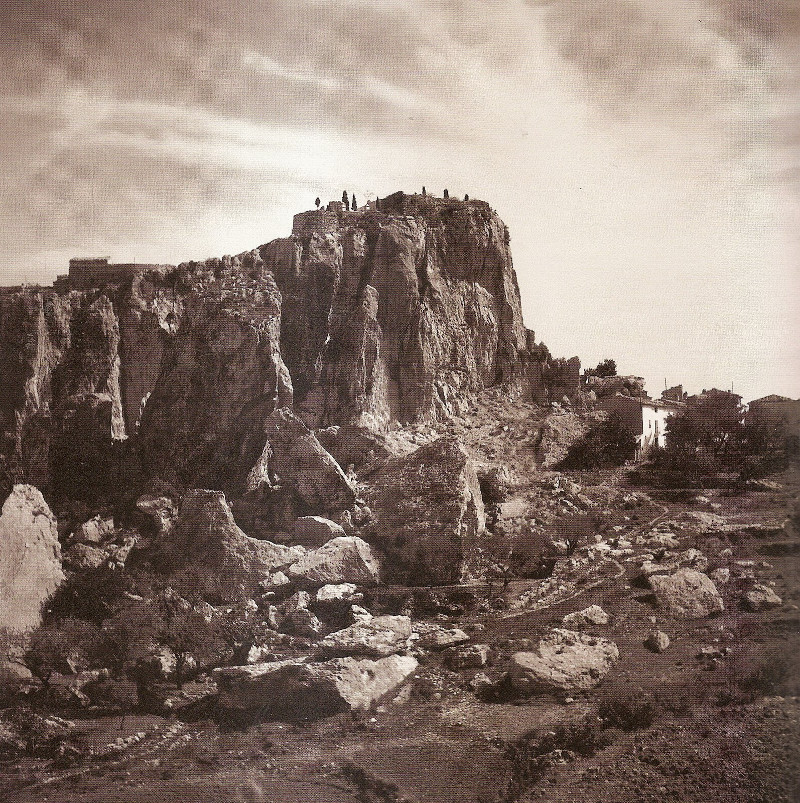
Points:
(645, 154)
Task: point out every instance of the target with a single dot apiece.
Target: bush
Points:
(628, 710)
(60, 647)
(605, 444)
(532, 755)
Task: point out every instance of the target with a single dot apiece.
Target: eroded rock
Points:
(565, 661)
(299, 690)
(30, 558)
(347, 559)
(687, 593)
(376, 637)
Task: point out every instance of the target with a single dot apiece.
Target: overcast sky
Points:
(644, 153)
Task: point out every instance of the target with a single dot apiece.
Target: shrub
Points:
(54, 648)
(628, 710)
(605, 444)
(532, 755)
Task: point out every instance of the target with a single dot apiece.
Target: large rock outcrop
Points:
(428, 514)
(221, 376)
(358, 319)
(564, 662)
(30, 559)
(207, 551)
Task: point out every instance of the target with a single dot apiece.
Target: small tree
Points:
(57, 648)
(317, 202)
(605, 444)
(424, 192)
(605, 368)
(446, 193)
(353, 203)
(345, 200)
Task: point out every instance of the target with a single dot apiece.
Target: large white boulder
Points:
(30, 559)
(347, 559)
(687, 593)
(565, 661)
(301, 690)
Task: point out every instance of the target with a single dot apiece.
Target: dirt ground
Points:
(712, 737)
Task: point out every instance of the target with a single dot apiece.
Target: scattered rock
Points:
(298, 690)
(30, 558)
(565, 661)
(94, 531)
(341, 592)
(434, 637)
(721, 576)
(687, 593)
(302, 622)
(82, 557)
(375, 637)
(162, 510)
(593, 615)
(347, 559)
(657, 641)
(760, 598)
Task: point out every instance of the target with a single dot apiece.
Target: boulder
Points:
(657, 641)
(82, 557)
(299, 690)
(339, 593)
(760, 598)
(428, 515)
(347, 559)
(293, 456)
(565, 661)
(94, 531)
(687, 593)
(375, 637)
(302, 622)
(434, 637)
(721, 576)
(161, 509)
(593, 615)
(207, 543)
(314, 531)
(30, 559)
(689, 558)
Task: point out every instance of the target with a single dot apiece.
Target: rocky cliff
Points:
(359, 318)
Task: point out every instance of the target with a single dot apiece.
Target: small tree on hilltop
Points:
(604, 369)
(317, 202)
(353, 203)
(345, 200)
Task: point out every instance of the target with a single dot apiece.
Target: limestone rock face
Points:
(314, 531)
(378, 304)
(296, 690)
(294, 457)
(207, 544)
(428, 514)
(687, 593)
(565, 661)
(221, 376)
(30, 559)
(347, 559)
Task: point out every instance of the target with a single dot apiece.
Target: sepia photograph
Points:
(400, 401)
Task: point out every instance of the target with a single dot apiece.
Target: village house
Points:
(643, 417)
